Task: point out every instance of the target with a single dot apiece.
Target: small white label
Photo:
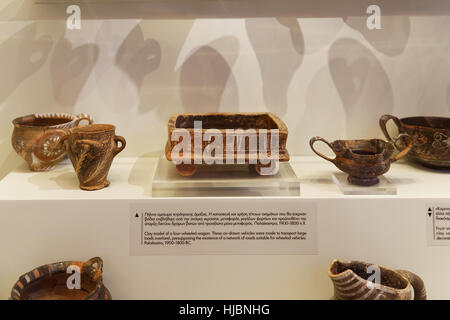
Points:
(186, 227)
(438, 224)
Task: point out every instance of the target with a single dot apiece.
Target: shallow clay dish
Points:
(49, 282)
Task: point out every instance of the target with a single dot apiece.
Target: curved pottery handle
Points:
(420, 292)
(384, 120)
(406, 150)
(64, 135)
(123, 143)
(97, 270)
(314, 140)
(83, 116)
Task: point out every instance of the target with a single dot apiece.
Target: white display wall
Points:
(316, 65)
(313, 63)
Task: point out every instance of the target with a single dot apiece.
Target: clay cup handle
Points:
(64, 135)
(406, 150)
(96, 271)
(123, 143)
(384, 120)
(314, 140)
(83, 116)
(420, 292)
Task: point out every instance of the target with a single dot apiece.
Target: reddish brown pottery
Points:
(363, 160)
(91, 150)
(431, 137)
(49, 282)
(222, 121)
(352, 281)
(36, 139)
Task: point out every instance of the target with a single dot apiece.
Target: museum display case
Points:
(155, 135)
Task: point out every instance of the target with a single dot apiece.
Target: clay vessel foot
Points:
(366, 182)
(186, 170)
(96, 187)
(266, 169)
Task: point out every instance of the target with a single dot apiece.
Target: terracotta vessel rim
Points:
(386, 288)
(402, 120)
(361, 140)
(281, 126)
(98, 282)
(94, 128)
(18, 122)
(350, 147)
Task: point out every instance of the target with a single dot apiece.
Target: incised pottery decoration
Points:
(49, 282)
(260, 124)
(36, 140)
(91, 150)
(431, 136)
(363, 160)
(353, 280)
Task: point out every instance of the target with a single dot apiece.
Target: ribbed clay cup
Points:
(91, 150)
(37, 137)
(352, 281)
(50, 282)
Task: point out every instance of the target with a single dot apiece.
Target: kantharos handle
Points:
(420, 292)
(83, 116)
(314, 140)
(406, 150)
(123, 143)
(96, 271)
(384, 120)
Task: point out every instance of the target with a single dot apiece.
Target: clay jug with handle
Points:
(355, 280)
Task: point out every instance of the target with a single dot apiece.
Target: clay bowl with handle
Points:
(431, 138)
(37, 137)
(363, 160)
(67, 280)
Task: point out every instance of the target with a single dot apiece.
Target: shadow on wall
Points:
(206, 78)
(70, 68)
(126, 59)
(448, 96)
(322, 114)
(279, 47)
(391, 39)
(138, 57)
(363, 86)
(22, 55)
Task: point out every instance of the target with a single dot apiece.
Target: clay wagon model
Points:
(236, 137)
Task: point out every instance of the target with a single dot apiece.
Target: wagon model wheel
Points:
(272, 164)
(186, 170)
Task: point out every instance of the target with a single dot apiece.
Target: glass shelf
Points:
(224, 181)
(384, 187)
